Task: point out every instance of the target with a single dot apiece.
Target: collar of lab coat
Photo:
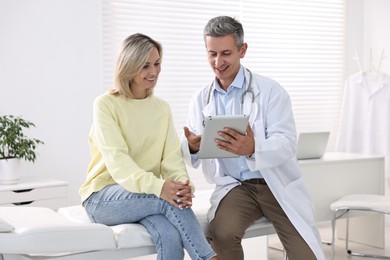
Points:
(362, 81)
(248, 107)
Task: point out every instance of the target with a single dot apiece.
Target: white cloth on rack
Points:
(365, 116)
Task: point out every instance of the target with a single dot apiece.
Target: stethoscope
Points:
(249, 90)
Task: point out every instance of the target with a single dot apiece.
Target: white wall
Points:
(368, 34)
(50, 72)
(376, 33)
(377, 39)
(354, 34)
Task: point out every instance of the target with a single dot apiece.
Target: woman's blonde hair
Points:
(134, 53)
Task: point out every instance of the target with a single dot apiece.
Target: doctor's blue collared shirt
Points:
(229, 103)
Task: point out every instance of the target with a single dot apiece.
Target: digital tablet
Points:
(214, 124)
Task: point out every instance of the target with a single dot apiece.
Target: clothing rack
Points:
(372, 68)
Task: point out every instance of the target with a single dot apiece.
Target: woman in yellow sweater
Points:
(137, 173)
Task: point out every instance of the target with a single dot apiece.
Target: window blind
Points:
(299, 43)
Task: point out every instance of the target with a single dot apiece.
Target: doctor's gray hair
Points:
(133, 55)
(224, 25)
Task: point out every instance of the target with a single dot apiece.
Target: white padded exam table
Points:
(42, 233)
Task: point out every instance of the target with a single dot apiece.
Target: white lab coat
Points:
(365, 121)
(273, 124)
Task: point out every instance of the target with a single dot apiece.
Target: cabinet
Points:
(339, 174)
(35, 192)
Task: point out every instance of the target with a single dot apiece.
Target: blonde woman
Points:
(137, 173)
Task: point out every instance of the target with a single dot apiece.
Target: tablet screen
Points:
(214, 124)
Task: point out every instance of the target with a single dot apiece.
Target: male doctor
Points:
(265, 180)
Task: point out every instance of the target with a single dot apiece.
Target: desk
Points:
(35, 192)
(339, 174)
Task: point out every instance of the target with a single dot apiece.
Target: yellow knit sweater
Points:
(132, 142)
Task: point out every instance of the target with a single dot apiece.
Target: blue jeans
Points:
(170, 228)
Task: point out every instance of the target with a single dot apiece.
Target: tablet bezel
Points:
(213, 124)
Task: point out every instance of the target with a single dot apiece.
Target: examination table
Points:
(42, 233)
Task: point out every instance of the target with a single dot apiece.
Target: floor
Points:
(275, 252)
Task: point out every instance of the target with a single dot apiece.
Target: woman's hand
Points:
(177, 193)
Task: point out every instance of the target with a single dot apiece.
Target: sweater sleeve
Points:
(173, 165)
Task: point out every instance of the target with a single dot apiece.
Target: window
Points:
(300, 43)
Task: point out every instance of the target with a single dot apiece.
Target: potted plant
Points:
(14, 146)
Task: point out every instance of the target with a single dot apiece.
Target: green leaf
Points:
(13, 141)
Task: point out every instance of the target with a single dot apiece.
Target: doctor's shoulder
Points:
(200, 95)
(265, 83)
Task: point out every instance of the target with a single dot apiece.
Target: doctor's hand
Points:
(193, 140)
(237, 143)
